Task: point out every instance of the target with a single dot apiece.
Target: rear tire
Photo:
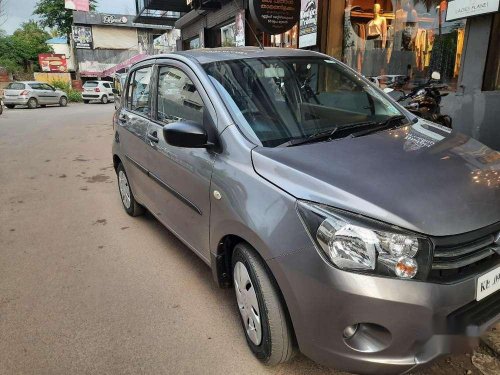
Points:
(10, 106)
(32, 103)
(260, 304)
(104, 99)
(63, 102)
(129, 203)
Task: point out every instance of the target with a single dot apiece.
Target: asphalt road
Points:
(86, 289)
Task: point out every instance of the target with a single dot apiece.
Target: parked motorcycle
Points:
(423, 101)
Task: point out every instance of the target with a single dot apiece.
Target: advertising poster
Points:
(82, 5)
(53, 63)
(240, 29)
(82, 36)
(308, 23)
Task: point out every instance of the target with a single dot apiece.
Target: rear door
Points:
(183, 175)
(133, 122)
(108, 89)
(38, 92)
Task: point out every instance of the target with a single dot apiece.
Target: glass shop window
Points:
(286, 40)
(491, 80)
(228, 35)
(402, 40)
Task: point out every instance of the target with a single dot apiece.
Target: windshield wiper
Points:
(386, 124)
(326, 134)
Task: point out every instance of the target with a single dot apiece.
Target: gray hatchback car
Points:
(351, 230)
(33, 95)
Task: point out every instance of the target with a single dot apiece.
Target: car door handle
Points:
(153, 137)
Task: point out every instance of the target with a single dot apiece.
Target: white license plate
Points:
(488, 284)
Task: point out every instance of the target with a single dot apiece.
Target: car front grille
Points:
(454, 261)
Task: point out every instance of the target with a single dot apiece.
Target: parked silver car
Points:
(350, 229)
(33, 95)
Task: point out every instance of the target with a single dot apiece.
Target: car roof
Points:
(208, 55)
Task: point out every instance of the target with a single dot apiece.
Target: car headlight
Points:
(355, 243)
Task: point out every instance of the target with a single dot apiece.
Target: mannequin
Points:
(403, 56)
(377, 27)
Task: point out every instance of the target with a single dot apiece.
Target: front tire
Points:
(10, 106)
(104, 99)
(129, 203)
(63, 102)
(32, 103)
(264, 318)
(86, 101)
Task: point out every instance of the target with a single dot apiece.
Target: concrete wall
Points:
(475, 112)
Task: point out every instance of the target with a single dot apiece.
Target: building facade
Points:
(107, 43)
(383, 39)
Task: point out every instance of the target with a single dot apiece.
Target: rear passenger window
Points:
(178, 98)
(138, 91)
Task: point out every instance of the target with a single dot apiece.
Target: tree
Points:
(54, 15)
(20, 50)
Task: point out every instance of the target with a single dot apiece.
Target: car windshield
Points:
(91, 84)
(278, 100)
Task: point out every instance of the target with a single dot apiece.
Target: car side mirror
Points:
(187, 134)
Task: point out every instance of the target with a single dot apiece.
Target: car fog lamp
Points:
(406, 268)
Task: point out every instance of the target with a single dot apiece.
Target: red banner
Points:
(82, 5)
(54, 63)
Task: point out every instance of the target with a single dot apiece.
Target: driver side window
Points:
(178, 98)
(138, 91)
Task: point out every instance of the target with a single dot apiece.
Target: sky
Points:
(19, 11)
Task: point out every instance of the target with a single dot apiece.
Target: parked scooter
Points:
(425, 100)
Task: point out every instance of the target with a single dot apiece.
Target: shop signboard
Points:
(82, 37)
(275, 16)
(52, 62)
(308, 23)
(82, 5)
(111, 19)
(240, 29)
(468, 8)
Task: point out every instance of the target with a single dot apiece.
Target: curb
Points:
(492, 339)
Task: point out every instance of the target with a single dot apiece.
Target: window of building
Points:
(138, 91)
(228, 35)
(492, 72)
(178, 98)
(286, 40)
(388, 39)
(194, 43)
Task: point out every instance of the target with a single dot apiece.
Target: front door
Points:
(133, 122)
(183, 175)
(50, 94)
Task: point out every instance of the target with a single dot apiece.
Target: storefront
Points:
(387, 40)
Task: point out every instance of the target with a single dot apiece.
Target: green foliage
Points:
(73, 95)
(53, 15)
(20, 50)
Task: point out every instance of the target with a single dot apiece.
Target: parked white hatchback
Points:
(97, 90)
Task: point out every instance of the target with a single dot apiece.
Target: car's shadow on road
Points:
(225, 297)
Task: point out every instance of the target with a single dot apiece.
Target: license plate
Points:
(488, 284)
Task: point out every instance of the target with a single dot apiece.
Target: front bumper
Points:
(421, 321)
(15, 101)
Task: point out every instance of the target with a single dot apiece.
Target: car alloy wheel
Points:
(247, 303)
(32, 103)
(63, 102)
(104, 99)
(124, 189)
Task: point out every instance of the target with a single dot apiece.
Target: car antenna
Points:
(250, 27)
